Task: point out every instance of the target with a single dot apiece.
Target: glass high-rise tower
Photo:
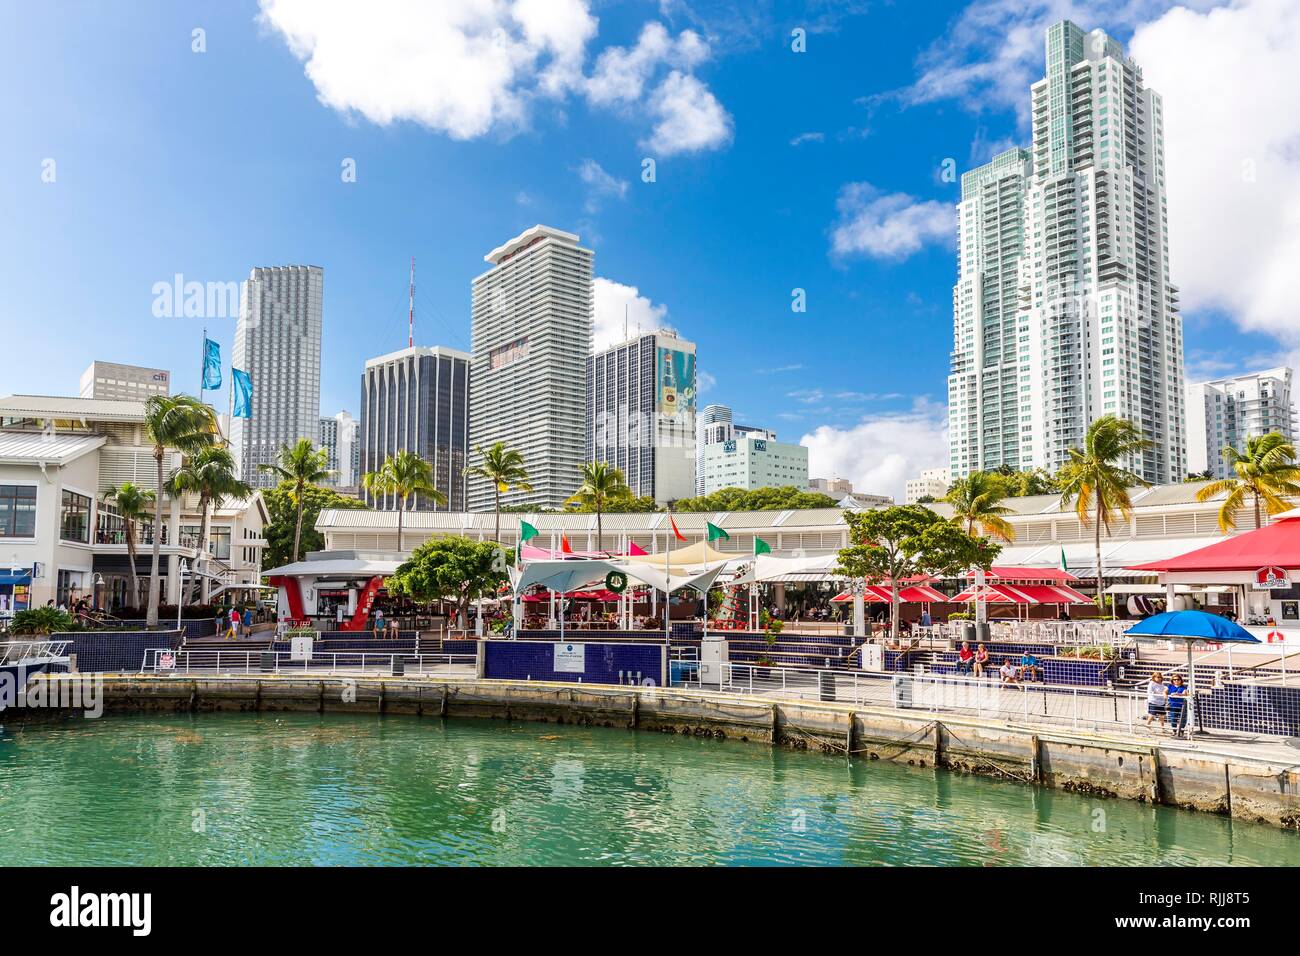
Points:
(1064, 310)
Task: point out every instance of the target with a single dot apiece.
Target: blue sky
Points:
(775, 171)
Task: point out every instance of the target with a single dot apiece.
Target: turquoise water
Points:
(297, 789)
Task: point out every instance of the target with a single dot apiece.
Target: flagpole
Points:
(203, 362)
(668, 581)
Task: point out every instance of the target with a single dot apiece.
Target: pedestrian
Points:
(1157, 699)
(234, 623)
(379, 622)
(248, 621)
(1177, 705)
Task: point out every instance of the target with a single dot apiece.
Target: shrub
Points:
(42, 620)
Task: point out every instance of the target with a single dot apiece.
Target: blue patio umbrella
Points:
(1192, 626)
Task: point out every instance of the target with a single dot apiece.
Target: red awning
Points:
(997, 573)
(1274, 545)
(879, 594)
(1051, 594)
(993, 594)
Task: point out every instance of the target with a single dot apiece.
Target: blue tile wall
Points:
(104, 651)
(604, 663)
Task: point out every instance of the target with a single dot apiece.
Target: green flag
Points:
(526, 531)
(761, 547)
(715, 532)
(1064, 567)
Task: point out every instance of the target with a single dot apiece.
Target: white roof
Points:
(527, 236)
(90, 409)
(418, 350)
(37, 447)
(345, 566)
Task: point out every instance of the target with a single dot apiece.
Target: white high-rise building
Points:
(749, 461)
(338, 436)
(531, 328)
(1089, 326)
(931, 483)
(277, 342)
(134, 383)
(641, 413)
(1227, 411)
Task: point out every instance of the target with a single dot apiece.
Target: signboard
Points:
(676, 383)
(300, 648)
(760, 444)
(571, 658)
(729, 447)
(1272, 579)
(167, 661)
(873, 657)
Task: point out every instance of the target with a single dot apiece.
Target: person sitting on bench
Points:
(981, 660)
(1009, 672)
(1029, 667)
(965, 659)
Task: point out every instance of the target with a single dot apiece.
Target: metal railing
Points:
(29, 652)
(1075, 633)
(166, 661)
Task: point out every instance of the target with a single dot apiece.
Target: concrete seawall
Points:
(1217, 779)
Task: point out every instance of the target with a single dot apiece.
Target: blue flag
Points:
(243, 388)
(211, 364)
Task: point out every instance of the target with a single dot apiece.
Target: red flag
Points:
(564, 544)
(678, 534)
(636, 549)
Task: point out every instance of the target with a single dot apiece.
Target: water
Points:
(298, 789)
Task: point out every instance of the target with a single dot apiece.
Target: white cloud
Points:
(470, 67)
(704, 382)
(889, 226)
(881, 452)
(1232, 148)
(808, 138)
(613, 301)
(690, 117)
(600, 184)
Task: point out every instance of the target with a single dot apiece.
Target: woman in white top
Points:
(1157, 699)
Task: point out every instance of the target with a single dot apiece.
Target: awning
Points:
(1022, 594)
(1274, 545)
(1001, 573)
(914, 594)
(9, 577)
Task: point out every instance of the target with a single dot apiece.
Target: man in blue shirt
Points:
(1029, 667)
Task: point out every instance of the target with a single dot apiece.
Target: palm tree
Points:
(303, 464)
(1266, 472)
(601, 484)
(1096, 481)
(172, 422)
(133, 504)
(403, 475)
(976, 500)
(210, 474)
(504, 467)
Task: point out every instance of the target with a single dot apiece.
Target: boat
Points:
(20, 660)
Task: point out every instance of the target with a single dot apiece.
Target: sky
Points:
(728, 162)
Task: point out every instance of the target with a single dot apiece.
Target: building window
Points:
(74, 518)
(17, 511)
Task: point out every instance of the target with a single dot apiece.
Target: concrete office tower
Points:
(277, 342)
(641, 413)
(712, 424)
(531, 326)
(1097, 330)
(338, 436)
(749, 461)
(109, 380)
(984, 385)
(1227, 411)
(417, 399)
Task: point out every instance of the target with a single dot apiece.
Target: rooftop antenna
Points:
(410, 340)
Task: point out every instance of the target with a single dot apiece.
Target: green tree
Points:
(302, 464)
(977, 501)
(1097, 483)
(133, 504)
(892, 544)
(403, 475)
(504, 468)
(1023, 484)
(172, 422)
(210, 474)
(42, 620)
(453, 569)
(785, 498)
(282, 503)
(1266, 472)
(1195, 476)
(601, 485)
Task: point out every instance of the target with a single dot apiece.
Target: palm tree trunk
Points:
(1101, 583)
(600, 533)
(297, 528)
(151, 614)
(131, 557)
(496, 494)
(1258, 517)
(401, 507)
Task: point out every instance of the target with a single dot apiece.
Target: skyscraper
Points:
(417, 399)
(1080, 222)
(531, 326)
(713, 424)
(277, 342)
(338, 436)
(641, 413)
(1227, 411)
(123, 382)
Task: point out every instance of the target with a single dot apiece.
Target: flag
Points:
(1064, 567)
(526, 531)
(715, 532)
(243, 394)
(211, 364)
(564, 544)
(635, 549)
(676, 533)
(761, 546)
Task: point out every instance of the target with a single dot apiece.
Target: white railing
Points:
(29, 652)
(166, 661)
(1076, 633)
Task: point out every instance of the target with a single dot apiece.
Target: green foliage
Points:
(283, 514)
(1266, 473)
(1022, 484)
(977, 501)
(42, 620)
(454, 569)
(784, 498)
